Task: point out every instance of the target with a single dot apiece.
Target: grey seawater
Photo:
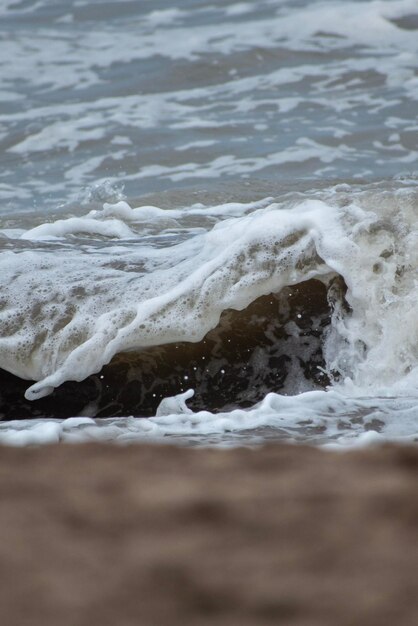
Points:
(153, 96)
(211, 102)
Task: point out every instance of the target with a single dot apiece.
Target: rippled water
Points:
(157, 95)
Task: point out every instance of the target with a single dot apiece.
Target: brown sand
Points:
(99, 535)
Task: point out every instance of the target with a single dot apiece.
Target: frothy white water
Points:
(64, 321)
(329, 418)
(77, 291)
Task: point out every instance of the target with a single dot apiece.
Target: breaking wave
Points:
(111, 312)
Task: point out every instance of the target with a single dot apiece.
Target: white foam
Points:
(69, 309)
(329, 418)
(74, 225)
(65, 314)
(366, 23)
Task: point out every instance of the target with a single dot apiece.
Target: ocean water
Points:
(208, 221)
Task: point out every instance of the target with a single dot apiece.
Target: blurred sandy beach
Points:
(154, 535)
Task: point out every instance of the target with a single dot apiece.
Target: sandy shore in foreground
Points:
(100, 535)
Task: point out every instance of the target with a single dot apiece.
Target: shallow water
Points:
(211, 196)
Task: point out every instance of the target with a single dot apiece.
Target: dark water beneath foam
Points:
(275, 344)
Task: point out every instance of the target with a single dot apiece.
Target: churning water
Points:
(209, 220)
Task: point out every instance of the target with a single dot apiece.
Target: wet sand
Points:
(99, 535)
